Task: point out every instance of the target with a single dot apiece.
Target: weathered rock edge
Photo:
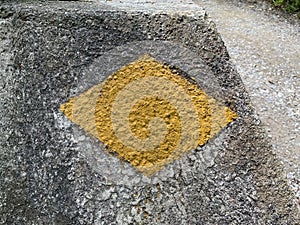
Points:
(43, 177)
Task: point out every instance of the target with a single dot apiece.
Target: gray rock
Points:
(52, 172)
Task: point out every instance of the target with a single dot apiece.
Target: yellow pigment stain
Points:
(67, 109)
(148, 114)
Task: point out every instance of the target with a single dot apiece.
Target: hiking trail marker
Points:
(129, 112)
(148, 114)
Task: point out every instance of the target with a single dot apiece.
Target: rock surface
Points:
(50, 167)
(265, 48)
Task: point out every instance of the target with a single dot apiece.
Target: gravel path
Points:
(266, 52)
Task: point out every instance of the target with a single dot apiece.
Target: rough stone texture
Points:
(265, 49)
(45, 178)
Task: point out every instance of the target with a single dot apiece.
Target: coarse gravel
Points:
(264, 45)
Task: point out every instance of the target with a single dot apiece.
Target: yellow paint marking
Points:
(148, 114)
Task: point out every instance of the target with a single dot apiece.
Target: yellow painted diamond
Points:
(148, 114)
